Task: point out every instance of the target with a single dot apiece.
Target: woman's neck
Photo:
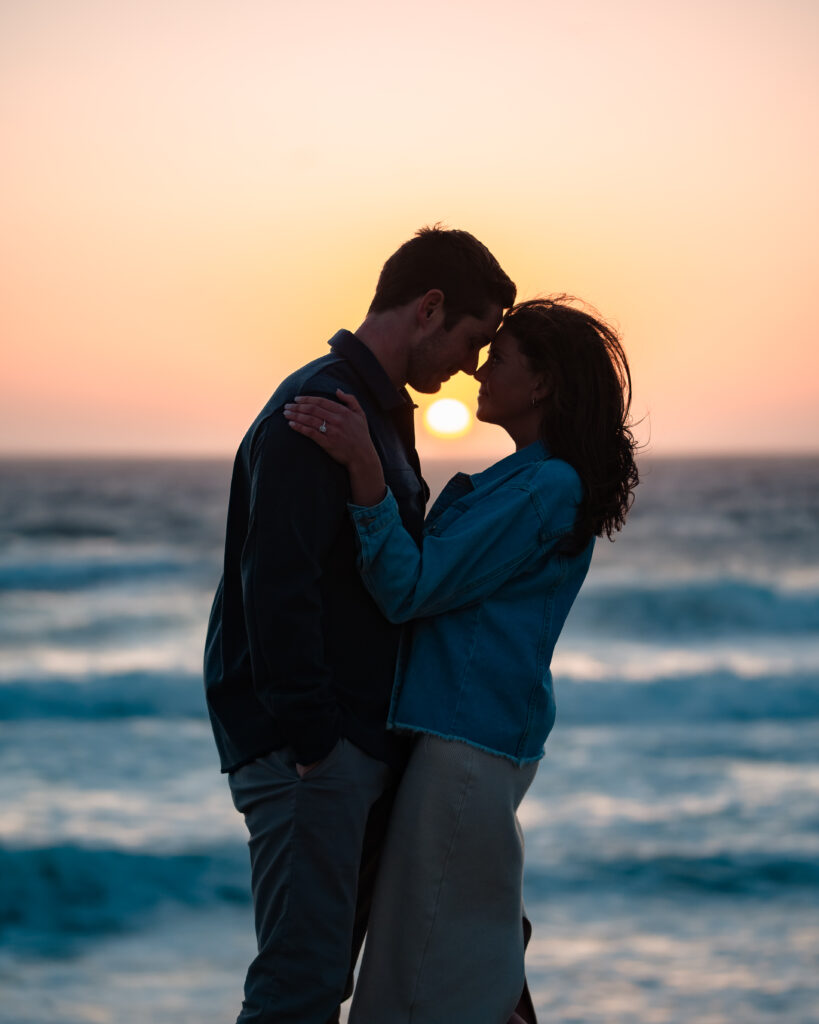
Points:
(525, 433)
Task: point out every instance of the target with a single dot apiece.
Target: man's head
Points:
(452, 291)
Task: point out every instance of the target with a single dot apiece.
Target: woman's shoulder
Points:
(552, 474)
(533, 470)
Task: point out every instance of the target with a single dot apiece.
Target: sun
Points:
(447, 418)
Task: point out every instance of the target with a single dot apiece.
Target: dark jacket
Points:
(297, 652)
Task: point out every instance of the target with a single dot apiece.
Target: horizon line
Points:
(193, 456)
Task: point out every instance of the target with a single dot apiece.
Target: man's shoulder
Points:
(320, 376)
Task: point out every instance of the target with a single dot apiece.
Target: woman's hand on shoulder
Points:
(340, 428)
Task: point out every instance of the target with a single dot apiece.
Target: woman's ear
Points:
(540, 391)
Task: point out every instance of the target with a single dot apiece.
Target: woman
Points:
(503, 556)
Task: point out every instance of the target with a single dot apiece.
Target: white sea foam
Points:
(176, 652)
(643, 662)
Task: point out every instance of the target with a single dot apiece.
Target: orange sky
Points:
(198, 194)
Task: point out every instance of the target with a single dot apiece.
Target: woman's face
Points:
(508, 385)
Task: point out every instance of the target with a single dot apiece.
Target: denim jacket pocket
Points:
(442, 522)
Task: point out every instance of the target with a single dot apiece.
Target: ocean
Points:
(672, 831)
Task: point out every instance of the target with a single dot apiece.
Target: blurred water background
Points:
(672, 831)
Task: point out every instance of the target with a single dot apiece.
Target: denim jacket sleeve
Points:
(488, 544)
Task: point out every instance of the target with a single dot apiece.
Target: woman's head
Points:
(511, 389)
(583, 402)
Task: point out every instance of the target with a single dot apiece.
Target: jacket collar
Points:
(535, 452)
(351, 348)
(462, 483)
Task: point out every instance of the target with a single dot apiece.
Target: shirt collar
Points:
(351, 348)
(535, 452)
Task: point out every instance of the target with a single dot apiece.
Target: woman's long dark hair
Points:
(586, 411)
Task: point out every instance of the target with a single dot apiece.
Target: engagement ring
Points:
(323, 427)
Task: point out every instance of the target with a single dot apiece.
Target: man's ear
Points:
(430, 308)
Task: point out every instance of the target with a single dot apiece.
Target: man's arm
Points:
(297, 507)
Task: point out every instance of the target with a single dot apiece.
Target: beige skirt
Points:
(445, 940)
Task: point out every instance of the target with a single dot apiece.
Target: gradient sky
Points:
(197, 194)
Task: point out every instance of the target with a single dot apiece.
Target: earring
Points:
(535, 402)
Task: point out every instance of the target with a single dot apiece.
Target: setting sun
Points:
(447, 418)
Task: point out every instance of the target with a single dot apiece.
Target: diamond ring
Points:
(323, 427)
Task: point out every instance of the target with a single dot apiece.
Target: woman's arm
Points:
(497, 538)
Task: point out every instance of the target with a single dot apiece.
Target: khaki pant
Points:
(314, 848)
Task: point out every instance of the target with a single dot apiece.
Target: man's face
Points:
(438, 356)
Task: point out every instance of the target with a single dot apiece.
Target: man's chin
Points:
(425, 387)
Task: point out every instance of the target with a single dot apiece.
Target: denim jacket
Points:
(487, 596)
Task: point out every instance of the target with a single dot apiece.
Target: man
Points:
(299, 662)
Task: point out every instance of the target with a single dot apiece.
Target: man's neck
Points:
(385, 335)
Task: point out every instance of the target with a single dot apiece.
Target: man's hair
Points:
(453, 261)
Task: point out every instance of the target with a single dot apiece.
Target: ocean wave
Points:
(68, 574)
(732, 874)
(52, 896)
(708, 697)
(56, 528)
(127, 695)
(696, 608)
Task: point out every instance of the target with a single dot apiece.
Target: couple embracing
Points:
(378, 678)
